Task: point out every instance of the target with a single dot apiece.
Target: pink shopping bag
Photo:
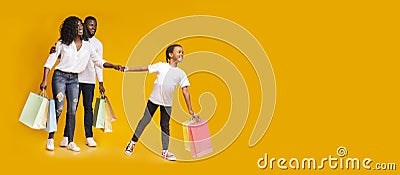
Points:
(200, 141)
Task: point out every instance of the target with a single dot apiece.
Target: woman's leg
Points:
(58, 86)
(66, 123)
(72, 93)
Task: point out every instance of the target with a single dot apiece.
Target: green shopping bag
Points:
(35, 111)
(99, 112)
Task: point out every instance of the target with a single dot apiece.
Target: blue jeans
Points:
(87, 91)
(65, 85)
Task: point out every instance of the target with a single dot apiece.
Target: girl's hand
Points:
(196, 117)
(126, 69)
(122, 69)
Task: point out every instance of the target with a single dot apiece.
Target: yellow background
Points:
(335, 62)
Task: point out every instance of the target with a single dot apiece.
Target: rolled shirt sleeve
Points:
(51, 60)
(99, 73)
(97, 60)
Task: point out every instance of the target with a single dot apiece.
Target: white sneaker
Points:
(130, 148)
(90, 142)
(168, 155)
(50, 144)
(72, 146)
(64, 142)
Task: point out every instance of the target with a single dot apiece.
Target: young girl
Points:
(168, 77)
(75, 53)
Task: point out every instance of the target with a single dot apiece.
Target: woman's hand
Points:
(43, 85)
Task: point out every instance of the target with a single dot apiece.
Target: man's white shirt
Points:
(89, 74)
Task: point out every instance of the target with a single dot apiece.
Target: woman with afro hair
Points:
(75, 52)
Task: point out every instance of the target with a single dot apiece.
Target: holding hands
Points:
(119, 68)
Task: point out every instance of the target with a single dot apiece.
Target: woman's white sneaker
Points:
(64, 142)
(72, 146)
(50, 144)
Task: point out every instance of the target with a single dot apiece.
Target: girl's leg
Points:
(165, 112)
(148, 114)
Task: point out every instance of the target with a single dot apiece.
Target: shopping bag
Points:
(186, 140)
(51, 125)
(35, 111)
(111, 111)
(108, 116)
(199, 137)
(99, 111)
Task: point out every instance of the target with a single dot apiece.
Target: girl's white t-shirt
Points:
(168, 78)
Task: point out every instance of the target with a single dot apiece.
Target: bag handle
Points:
(195, 120)
(43, 93)
(102, 95)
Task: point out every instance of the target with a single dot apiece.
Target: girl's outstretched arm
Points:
(186, 94)
(136, 69)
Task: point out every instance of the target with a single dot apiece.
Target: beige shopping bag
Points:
(108, 116)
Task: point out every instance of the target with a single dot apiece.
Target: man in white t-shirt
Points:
(87, 81)
(169, 76)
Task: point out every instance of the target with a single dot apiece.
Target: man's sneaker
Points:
(168, 155)
(64, 142)
(50, 144)
(90, 142)
(129, 148)
(72, 146)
